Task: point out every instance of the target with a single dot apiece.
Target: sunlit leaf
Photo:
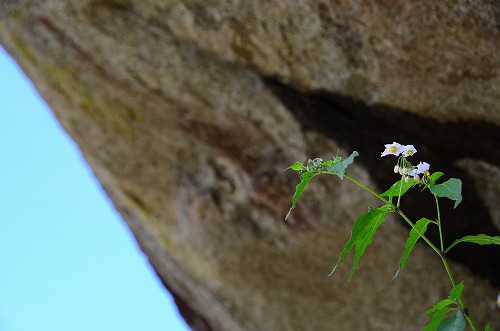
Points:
(327, 163)
(362, 234)
(420, 226)
(480, 239)
(451, 189)
(304, 180)
(297, 166)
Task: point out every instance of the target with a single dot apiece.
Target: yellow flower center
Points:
(392, 149)
(410, 152)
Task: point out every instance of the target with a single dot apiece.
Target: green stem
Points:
(461, 302)
(442, 255)
(439, 224)
(368, 189)
(400, 189)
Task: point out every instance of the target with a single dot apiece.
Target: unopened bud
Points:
(396, 169)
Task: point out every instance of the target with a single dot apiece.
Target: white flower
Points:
(394, 149)
(396, 169)
(422, 167)
(409, 150)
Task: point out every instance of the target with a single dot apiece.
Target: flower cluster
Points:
(404, 167)
(398, 149)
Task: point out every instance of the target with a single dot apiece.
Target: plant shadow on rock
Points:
(366, 128)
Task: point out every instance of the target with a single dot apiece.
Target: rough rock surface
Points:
(188, 111)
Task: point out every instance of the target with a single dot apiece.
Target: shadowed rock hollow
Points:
(188, 111)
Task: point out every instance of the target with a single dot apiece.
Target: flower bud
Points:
(396, 169)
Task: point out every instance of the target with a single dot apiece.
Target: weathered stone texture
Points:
(188, 111)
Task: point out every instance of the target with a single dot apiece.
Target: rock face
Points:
(188, 111)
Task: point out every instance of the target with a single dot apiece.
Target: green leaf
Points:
(480, 239)
(488, 327)
(437, 318)
(421, 226)
(350, 159)
(339, 167)
(297, 166)
(327, 163)
(399, 188)
(435, 176)
(451, 189)
(362, 234)
(440, 305)
(456, 293)
(304, 179)
(440, 309)
(454, 323)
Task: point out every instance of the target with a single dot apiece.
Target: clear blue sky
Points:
(67, 260)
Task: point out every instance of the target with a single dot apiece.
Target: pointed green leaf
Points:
(453, 323)
(304, 179)
(350, 159)
(435, 176)
(456, 292)
(327, 163)
(420, 227)
(440, 309)
(440, 305)
(480, 239)
(399, 188)
(339, 167)
(488, 327)
(362, 234)
(297, 166)
(451, 189)
(437, 318)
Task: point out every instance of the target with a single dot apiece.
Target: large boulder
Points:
(188, 111)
